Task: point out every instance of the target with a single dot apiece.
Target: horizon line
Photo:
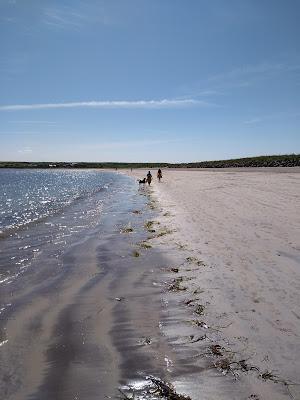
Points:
(297, 154)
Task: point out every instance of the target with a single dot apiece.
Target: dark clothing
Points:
(159, 174)
(149, 178)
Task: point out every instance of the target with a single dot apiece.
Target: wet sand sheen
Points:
(80, 330)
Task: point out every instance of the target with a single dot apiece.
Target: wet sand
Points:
(88, 323)
(237, 231)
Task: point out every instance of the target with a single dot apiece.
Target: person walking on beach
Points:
(149, 178)
(159, 175)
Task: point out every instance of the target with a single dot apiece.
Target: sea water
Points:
(43, 211)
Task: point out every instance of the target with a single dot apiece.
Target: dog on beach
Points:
(141, 181)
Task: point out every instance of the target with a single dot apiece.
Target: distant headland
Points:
(287, 160)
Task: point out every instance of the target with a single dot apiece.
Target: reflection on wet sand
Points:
(87, 322)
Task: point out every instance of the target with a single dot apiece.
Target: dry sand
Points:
(244, 225)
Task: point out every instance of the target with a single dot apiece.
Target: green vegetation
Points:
(288, 160)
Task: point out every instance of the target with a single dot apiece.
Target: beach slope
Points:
(243, 224)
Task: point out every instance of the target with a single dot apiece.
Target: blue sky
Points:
(148, 80)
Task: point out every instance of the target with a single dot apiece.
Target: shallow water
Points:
(29, 196)
(43, 211)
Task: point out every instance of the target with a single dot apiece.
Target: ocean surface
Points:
(43, 211)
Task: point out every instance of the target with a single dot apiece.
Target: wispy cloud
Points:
(8, 20)
(247, 70)
(63, 18)
(196, 94)
(25, 150)
(252, 121)
(75, 17)
(33, 122)
(247, 75)
(125, 104)
(269, 117)
(241, 77)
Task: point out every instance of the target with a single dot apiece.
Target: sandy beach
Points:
(192, 283)
(179, 284)
(239, 229)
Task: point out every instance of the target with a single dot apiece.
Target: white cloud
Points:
(135, 104)
(25, 150)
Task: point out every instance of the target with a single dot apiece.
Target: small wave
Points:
(5, 280)
(14, 228)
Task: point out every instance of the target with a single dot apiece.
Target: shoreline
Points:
(92, 324)
(162, 290)
(239, 232)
